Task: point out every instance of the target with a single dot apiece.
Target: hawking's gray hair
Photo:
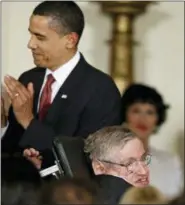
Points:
(104, 142)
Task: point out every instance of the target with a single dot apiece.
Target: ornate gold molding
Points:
(121, 54)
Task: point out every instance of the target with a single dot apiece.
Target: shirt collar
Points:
(63, 71)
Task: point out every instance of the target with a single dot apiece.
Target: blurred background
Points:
(158, 55)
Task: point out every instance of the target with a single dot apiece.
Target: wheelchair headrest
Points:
(71, 157)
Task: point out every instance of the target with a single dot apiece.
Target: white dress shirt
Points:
(166, 173)
(60, 76)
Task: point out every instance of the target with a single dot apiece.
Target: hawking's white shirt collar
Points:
(63, 71)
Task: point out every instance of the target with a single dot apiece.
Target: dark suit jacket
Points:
(111, 189)
(93, 102)
(12, 171)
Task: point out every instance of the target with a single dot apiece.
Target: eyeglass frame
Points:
(126, 166)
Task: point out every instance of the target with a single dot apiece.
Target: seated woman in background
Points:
(143, 112)
(145, 195)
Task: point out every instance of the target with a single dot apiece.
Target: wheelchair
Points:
(70, 159)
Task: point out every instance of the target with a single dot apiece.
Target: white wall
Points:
(160, 63)
(159, 60)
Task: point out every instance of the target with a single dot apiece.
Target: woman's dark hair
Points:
(144, 94)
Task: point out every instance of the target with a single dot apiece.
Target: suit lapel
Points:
(61, 100)
(38, 81)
